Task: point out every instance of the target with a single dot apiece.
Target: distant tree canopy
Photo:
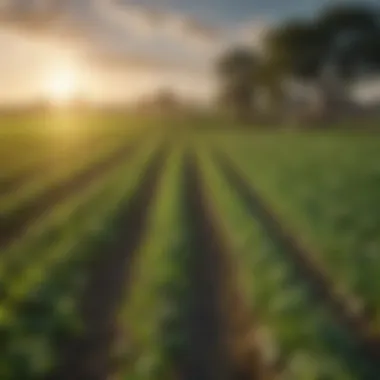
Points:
(343, 41)
(237, 73)
(346, 38)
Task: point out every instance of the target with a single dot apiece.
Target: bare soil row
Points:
(88, 356)
(220, 325)
(217, 322)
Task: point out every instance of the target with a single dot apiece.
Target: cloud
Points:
(197, 42)
(124, 40)
(251, 33)
(186, 28)
(33, 14)
(150, 22)
(117, 29)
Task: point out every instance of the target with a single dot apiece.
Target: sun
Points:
(62, 85)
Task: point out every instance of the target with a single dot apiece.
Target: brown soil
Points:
(219, 324)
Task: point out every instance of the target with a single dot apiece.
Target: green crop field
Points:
(136, 249)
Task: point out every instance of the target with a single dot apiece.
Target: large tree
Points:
(295, 48)
(342, 43)
(327, 51)
(350, 33)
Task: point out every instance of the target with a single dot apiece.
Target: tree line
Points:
(330, 51)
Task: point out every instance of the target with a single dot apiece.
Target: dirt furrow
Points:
(323, 286)
(220, 327)
(13, 226)
(89, 356)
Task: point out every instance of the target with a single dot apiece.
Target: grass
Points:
(326, 187)
(158, 276)
(65, 223)
(294, 328)
(27, 141)
(66, 153)
(38, 304)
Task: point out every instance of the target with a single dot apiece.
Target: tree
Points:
(343, 36)
(330, 50)
(296, 48)
(350, 33)
(237, 71)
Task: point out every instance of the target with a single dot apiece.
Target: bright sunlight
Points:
(63, 85)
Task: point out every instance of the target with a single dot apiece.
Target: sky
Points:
(115, 50)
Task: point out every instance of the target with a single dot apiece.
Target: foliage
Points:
(326, 189)
(237, 70)
(328, 51)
